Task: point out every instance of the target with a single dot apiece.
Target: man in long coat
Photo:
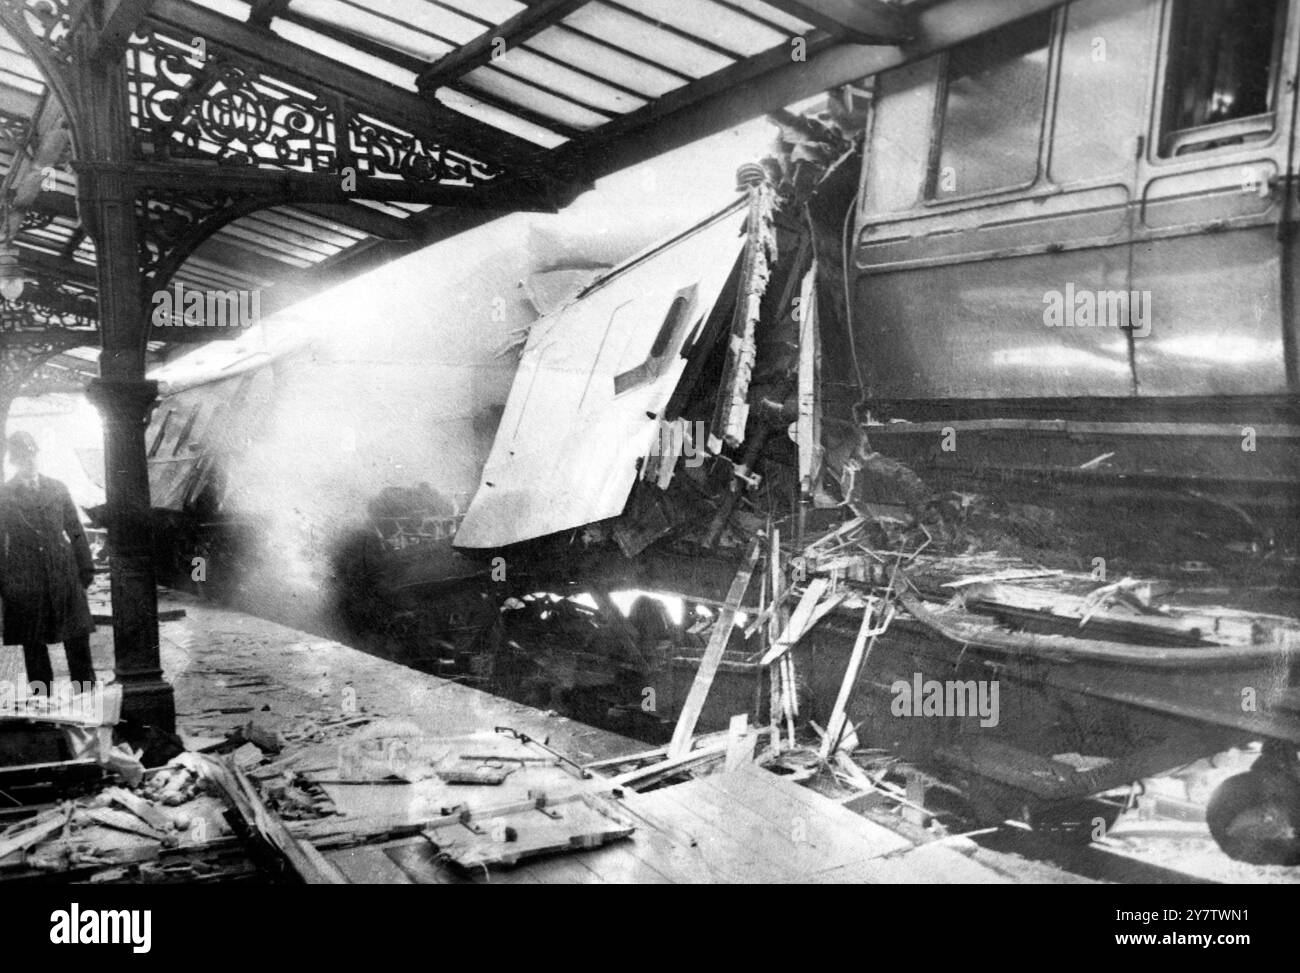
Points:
(45, 567)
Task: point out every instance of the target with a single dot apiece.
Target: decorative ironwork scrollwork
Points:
(215, 105)
(36, 220)
(47, 311)
(381, 150)
(46, 21)
(188, 105)
(168, 220)
(47, 319)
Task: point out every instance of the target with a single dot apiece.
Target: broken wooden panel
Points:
(1130, 621)
(685, 730)
(581, 822)
(808, 427)
(592, 384)
(732, 415)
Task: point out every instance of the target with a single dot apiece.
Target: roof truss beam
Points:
(279, 187)
(265, 11)
(860, 21)
(538, 16)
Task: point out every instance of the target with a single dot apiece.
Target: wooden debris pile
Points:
(120, 828)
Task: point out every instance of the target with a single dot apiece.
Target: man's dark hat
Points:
(23, 443)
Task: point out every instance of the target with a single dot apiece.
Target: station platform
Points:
(324, 699)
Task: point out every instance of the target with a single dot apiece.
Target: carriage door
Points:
(1207, 247)
(1102, 103)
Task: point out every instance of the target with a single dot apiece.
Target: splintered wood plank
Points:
(835, 725)
(712, 658)
(146, 811)
(798, 624)
(642, 777)
(27, 833)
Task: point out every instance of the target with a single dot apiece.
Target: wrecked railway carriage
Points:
(986, 385)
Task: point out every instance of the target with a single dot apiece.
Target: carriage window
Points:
(993, 111)
(1219, 82)
(653, 366)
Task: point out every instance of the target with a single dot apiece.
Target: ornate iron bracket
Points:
(41, 25)
(47, 320)
(217, 106)
(174, 224)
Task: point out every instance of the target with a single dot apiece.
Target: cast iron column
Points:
(107, 204)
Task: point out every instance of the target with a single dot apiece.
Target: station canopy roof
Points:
(247, 113)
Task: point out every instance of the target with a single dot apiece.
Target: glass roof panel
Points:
(772, 15)
(467, 104)
(350, 56)
(493, 82)
(381, 30)
(230, 8)
(533, 68)
(566, 45)
(715, 23)
(432, 18)
(493, 10)
(20, 81)
(627, 32)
